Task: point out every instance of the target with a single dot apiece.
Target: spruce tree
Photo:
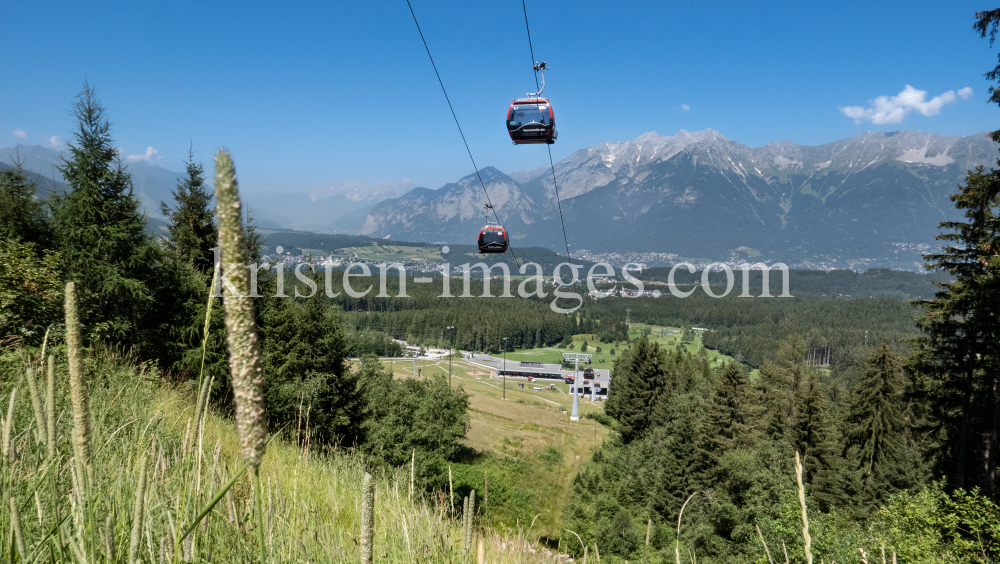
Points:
(303, 353)
(958, 354)
(640, 379)
(875, 430)
(100, 231)
(814, 437)
(730, 421)
(191, 220)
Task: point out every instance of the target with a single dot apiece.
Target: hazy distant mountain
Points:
(152, 183)
(45, 184)
(331, 209)
(319, 210)
(523, 176)
(702, 195)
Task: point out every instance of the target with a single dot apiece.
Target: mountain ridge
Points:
(700, 194)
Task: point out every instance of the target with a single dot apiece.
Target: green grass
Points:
(311, 500)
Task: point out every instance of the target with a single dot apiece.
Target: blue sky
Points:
(306, 96)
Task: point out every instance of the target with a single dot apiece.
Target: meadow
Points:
(666, 336)
(156, 465)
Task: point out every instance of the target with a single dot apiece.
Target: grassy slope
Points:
(312, 503)
(529, 449)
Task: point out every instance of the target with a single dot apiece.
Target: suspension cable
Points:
(453, 115)
(530, 48)
(548, 146)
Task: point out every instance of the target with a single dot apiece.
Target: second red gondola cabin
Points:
(493, 239)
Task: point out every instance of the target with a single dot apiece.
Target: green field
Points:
(388, 253)
(669, 337)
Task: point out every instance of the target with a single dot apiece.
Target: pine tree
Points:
(191, 222)
(875, 429)
(100, 231)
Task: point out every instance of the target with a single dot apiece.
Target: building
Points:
(542, 371)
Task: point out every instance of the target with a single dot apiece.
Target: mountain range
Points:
(699, 194)
(873, 197)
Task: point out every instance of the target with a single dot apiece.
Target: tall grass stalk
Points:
(766, 551)
(204, 391)
(138, 513)
(465, 522)
(413, 462)
(677, 540)
(244, 345)
(8, 423)
(79, 397)
(36, 405)
(367, 518)
(50, 408)
(806, 539)
(15, 524)
(258, 485)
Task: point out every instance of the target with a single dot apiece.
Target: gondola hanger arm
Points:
(540, 67)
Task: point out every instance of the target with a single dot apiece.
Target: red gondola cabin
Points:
(531, 121)
(493, 239)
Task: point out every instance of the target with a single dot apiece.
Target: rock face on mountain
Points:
(702, 195)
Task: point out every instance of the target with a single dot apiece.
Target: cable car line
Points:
(558, 203)
(552, 165)
(489, 203)
(530, 48)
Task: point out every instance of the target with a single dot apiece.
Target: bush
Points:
(403, 416)
(30, 293)
(601, 418)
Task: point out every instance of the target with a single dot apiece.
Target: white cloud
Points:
(684, 107)
(150, 156)
(886, 109)
(19, 133)
(56, 142)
